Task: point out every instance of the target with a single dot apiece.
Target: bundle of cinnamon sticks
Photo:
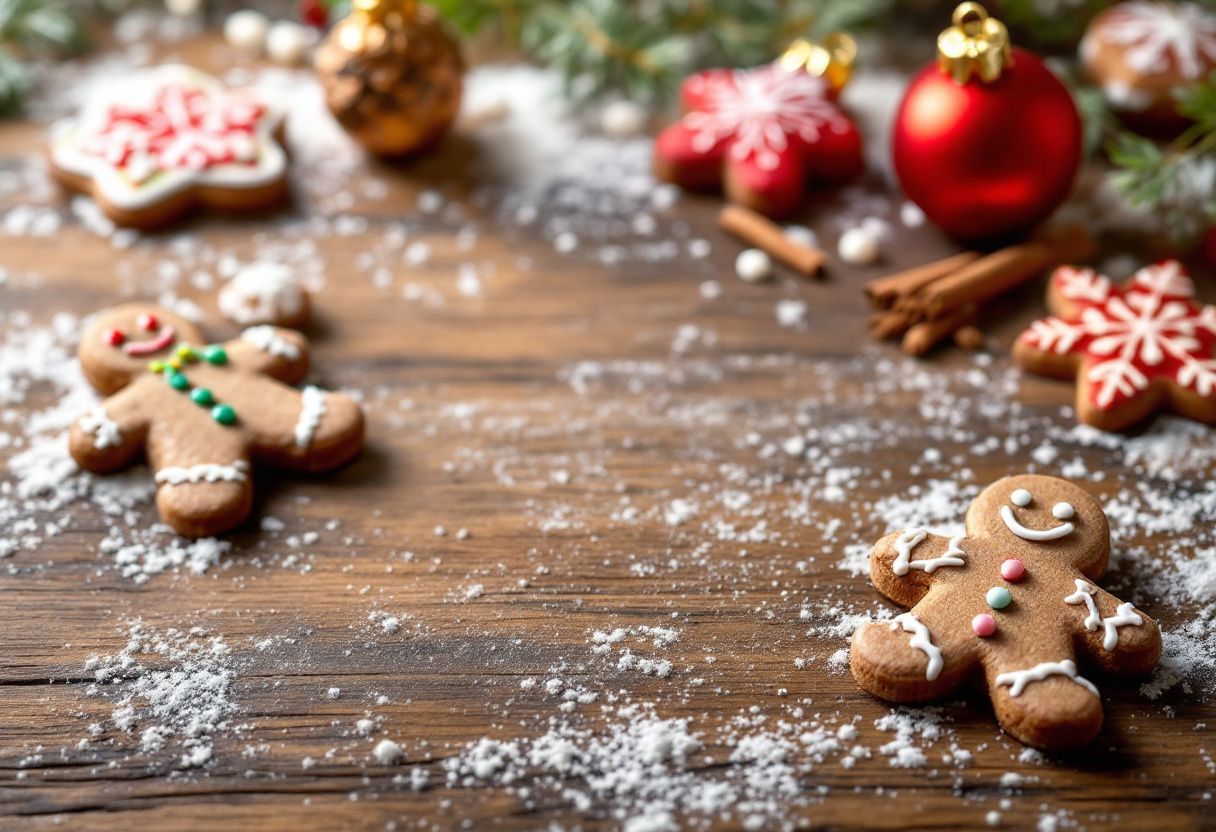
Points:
(925, 305)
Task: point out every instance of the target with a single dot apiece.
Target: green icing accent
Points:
(215, 354)
(223, 414)
(202, 396)
(998, 598)
(178, 381)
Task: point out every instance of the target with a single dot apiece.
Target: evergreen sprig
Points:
(32, 28)
(1177, 181)
(643, 49)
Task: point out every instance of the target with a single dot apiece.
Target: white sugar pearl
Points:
(623, 118)
(858, 246)
(183, 8)
(287, 43)
(1021, 497)
(1063, 511)
(246, 31)
(753, 265)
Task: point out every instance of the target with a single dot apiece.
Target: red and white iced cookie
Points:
(265, 293)
(169, 140)
(762, 134)
(1133, 349)
(1139, 52)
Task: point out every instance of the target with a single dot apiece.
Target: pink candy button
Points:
(1012, 569)
(984, 624)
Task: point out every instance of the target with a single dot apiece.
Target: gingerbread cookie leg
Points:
(1044, 700)
(201, 498)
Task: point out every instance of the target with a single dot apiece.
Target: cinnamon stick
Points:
(890, 324)
(924, 336)
(1004, 269)
(886, 291)
(766, 235)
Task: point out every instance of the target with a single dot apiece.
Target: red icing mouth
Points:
(152, 345)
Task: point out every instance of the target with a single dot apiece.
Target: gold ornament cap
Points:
(975, 45)
(831, 60)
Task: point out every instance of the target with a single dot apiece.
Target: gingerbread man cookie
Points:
(763, 133)
(170, 139)
(203, 414)
(265, 293)
(1013, 600)
(1133, 350)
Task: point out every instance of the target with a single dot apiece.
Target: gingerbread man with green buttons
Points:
(1011, 603)
(201, 414)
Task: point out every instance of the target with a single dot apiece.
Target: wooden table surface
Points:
(605, 445)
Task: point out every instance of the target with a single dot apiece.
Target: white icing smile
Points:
(1061, 511)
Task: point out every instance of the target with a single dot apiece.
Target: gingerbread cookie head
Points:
(203, 415)
(122, 341)
(1012, 601)
(1054, 515)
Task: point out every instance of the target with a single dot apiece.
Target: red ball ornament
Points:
(987, 142)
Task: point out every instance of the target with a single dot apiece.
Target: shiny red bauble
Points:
(987, 160)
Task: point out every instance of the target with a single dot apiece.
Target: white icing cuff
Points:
(204, 472)
(268, 340)
(103, 429)
(312, 410)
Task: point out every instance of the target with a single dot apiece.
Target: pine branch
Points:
(1178, 181)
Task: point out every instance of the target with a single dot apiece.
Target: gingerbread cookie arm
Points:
(1114, 634)
(916, 656)
(272, 351)
(112, 434)
(902, 564)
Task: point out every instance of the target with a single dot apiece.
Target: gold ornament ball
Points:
(392, 76)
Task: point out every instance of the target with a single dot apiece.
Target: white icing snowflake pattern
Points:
(759, 110)
(1129, 336)
(1158, 36)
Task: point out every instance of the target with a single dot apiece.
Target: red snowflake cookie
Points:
(762, 134)
(168, 140)
(1134, 350)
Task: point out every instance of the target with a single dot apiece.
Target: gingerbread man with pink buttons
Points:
(1013, 600)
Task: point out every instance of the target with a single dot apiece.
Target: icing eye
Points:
(113, 337)
(1063, 511)
(1020, 498)
(149, 323)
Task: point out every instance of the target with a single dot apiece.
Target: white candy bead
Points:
(622, 119)
(183, 8)
(753, 265)
(246, 31)
(287, 43)
(858, 246)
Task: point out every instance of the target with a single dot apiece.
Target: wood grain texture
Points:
(530, 415)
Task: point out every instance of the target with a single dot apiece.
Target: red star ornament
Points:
(763, 134)
(1134, 349)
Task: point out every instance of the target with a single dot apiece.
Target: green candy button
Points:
(202, 396)
(998, 598)
(178, 381)
(215, 355)
(223, 414)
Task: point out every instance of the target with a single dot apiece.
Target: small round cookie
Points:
(265, 293)
(169, 140)
(1139, 52)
